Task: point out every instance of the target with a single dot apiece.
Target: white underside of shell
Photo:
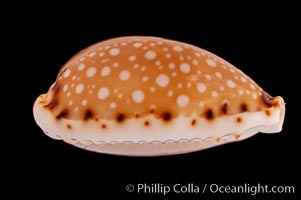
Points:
(133, 138)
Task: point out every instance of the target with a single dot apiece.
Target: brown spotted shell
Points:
(150, 83)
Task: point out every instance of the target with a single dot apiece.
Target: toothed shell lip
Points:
(174, 143)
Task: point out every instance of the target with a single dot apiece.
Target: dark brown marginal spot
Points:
(137, 115)
(209, 114)
(146, 123)
(243, 107)
(63, 114)
(120, 118)
(152, 111)
(238, 119)
(103, 126)
(69, 126)
(88, 115)
(166, 116)
(268, 112)
(267, 99)
(193, 122)
(224, 108)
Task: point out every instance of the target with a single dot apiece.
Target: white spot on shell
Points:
(230, 84)
(101, 54)
(137, 44)
(80, 67)
(197, 54)
(150, 55)
(232, 70)
(218, 75)
(180, 85)
(243, 79)
(132, 58)
(201, 104)
(182, 100)
(211, 62)
(171, 66)
(145, 78)
(168, 55)
(70, 103)
(114, 52)
(91, 72)
(152, 89)
(201, 87)
(92, 54)
(143, 68)
(84, 102)
(170, 93)
(252, 86)
(177, 48)
(65, 88)
(195, 62)
(240, 91)
(113, 105)
(103, 93)
(188, 85)
(221, 88)
(67, 73)
(105, 71)
(105, 60)
(162, 80)
(254, 95)
(68, 94)
(214, 93)
(115, 64)
(174, 74)
(208, 77)
(138, 96)
(79, 88)
(124, 75)
(185, 68)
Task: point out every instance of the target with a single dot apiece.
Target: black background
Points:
(260, 43)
